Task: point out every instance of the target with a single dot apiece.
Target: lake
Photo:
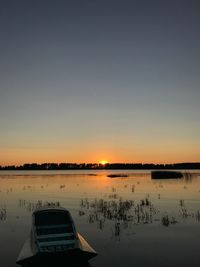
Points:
(129, 221)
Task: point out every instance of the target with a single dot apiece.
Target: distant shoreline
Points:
(98, 166)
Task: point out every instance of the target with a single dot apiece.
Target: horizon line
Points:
(95, 163)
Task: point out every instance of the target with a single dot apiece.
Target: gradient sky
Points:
(82, 81)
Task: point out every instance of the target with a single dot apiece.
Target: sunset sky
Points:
(84, 81)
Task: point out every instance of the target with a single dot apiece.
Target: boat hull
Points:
(82, 254)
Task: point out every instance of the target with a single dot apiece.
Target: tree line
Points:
(98, 166)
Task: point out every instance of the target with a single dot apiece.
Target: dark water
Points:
(158, 224)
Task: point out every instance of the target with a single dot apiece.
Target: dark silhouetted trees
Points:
(108, 166)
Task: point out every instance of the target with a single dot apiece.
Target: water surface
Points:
(138, 238)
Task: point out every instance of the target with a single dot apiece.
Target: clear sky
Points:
(82, 81)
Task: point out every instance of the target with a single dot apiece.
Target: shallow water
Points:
(137, 238)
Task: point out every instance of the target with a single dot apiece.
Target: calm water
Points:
(137, 238)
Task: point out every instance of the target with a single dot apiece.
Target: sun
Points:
(103, 162)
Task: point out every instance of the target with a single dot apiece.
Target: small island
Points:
(166, 175)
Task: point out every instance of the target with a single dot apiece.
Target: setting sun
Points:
(103, 162)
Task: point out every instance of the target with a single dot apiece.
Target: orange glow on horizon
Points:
(103, 162)
(20, 156)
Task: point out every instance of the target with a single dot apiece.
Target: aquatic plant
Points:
(120, 212)
(31, 206)
(198, 216)
(165, 220)
(3, 214)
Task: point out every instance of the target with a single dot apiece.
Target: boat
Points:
(54, 238)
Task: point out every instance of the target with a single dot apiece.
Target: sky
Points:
(82, 81)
